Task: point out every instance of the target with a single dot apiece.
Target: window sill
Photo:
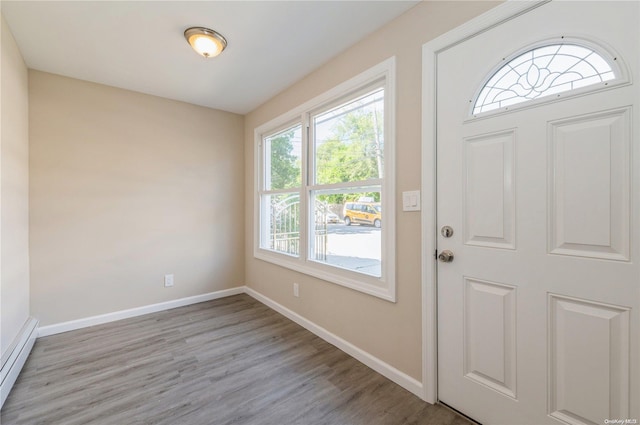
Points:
(370, 285)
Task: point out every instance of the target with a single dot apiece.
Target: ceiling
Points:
(139, 45)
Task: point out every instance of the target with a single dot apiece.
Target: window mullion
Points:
(279, 191)
(341, 187)
(304, 193)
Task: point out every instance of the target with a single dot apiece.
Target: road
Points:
(355, 248)
(351, 230)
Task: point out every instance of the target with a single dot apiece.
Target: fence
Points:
(285, 227)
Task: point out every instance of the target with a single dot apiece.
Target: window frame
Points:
(275, 192)
(385, 286)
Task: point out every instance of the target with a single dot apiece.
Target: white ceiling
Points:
(139, 45)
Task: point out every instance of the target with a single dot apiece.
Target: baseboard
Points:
(133, 312)
(17, 357)
(385, 369)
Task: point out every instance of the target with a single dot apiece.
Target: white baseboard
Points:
(133, 312)
(359, 354)
(17, 357)
(385, 369)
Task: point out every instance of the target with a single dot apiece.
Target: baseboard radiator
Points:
(16, 357)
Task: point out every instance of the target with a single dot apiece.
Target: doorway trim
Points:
(430, 51)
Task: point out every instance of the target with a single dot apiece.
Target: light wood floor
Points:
(228, 361)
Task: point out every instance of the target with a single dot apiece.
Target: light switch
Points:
(411, 200)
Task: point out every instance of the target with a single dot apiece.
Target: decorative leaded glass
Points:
(543, 71)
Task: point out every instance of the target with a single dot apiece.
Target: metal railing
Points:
(285, 227)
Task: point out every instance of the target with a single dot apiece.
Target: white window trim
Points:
(385, 286)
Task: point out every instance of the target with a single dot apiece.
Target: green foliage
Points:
(352, 153)
(285, 167)
(340, 199)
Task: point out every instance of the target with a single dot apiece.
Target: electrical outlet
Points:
(168, 280)
(296, 290)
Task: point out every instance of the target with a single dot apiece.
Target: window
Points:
(280, 198)
(324, 177)
(544, 71)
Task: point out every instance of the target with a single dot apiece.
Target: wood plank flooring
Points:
(227, 361)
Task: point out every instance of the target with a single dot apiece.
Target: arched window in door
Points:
(543, 71)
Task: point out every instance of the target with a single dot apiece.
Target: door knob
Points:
(446, 256)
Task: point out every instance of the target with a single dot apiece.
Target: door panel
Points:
(591, 152)
(538, 313)
(490, 335)
(589, 348)
(489, 202)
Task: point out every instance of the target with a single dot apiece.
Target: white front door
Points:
(538, 313)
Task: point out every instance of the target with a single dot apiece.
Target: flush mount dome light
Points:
(205, 42)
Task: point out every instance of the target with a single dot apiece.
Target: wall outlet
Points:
(296, 290)
(168, 280)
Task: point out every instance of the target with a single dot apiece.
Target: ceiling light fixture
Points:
(205, 42)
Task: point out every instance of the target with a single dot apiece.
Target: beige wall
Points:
(126, 188)
(14, 192)
(391, 332)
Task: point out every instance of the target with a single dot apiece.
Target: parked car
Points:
(332, 218)
(362, 213)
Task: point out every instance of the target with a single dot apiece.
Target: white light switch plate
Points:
(411, 200)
